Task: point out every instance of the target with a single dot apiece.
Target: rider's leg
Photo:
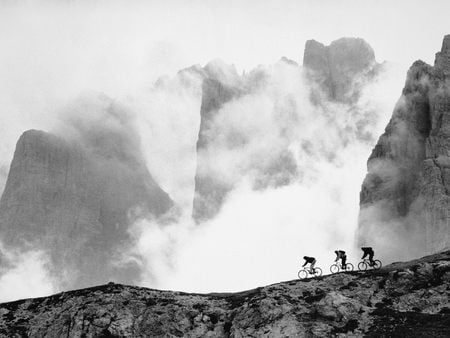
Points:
(312, 266)
(344, 262)
(371, 258)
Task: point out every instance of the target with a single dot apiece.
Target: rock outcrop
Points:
(340, 67)
(405, 198)
(403, 299)
(74, 196)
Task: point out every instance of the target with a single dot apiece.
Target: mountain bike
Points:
(305, 272)
(365, 263)
(335, 268)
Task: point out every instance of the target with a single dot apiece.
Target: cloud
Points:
(258, 238)
(167, 121)
(27, 276)
(121, 50)
(260, 235)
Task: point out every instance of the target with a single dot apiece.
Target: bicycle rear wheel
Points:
(377, 264)
(302, 274)
(317, 272)
(349, 267)
(334, 268)
(362, 266)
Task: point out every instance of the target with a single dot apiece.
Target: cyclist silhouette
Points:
(340, 255)
(368, 251)
(311, 261)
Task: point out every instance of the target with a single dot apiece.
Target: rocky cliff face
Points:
(405, 195)
(74, 196)
(221, 84)
(339, 67)
(403, 299)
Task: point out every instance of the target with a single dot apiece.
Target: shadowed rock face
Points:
(401, 300)
(405, 196)
(209, 191)
(221, 84)
(74, 197)
(337, 67)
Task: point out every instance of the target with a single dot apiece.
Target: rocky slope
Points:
(403, 299)
(74, 196)
(405, 196)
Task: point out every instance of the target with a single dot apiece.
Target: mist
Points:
(262, 231)
(53, 51)
(24, 275)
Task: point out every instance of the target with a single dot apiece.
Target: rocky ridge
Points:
(403, 299)
(405, 197)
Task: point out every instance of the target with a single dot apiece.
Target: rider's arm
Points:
(305, 263)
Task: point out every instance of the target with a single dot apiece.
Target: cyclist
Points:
(340, 255)
(368, 251)
(311, 261)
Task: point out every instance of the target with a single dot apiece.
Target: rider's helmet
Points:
(304, 257)
(336, 252)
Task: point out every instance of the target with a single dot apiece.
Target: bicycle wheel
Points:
(302, 274)
(349, 267)
(377, 264)
(317, 272)
(334, 268)
(362, 266)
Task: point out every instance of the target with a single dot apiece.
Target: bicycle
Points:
(365, 263)
(304, 273)
(335, 268)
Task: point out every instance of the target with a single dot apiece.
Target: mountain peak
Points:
(352, 53)
(285, 60)
(442, 60)
(336, 67)
(446, 44)
(218, 70)
(71, 196)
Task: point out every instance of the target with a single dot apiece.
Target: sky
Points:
(51, 51)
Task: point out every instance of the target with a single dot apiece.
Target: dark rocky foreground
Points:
(403, 299)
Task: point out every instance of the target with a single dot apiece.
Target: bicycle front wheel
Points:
(317, 272)
(377, 264)
(349, 267)
(334, 268)
(362, 266)
(302, 274)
